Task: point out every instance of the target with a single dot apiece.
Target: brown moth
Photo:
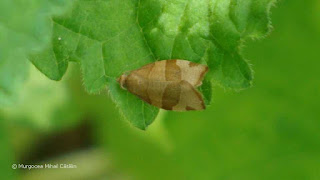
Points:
(167, 84)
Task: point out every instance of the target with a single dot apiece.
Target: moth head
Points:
(121, 80)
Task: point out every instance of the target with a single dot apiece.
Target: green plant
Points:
(109, 37)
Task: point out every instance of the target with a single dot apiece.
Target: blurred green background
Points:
(270, 131)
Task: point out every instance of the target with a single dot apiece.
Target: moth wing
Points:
(137, 82)
(190, 98)
(169, 84)
(144, 71)
(192, 72)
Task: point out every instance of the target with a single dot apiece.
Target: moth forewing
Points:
(190, 98)
(167, 84)
(192, 72)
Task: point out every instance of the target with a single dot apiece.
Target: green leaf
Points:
(110, 37)
(139, 113)
(24, 28)
(206, 90)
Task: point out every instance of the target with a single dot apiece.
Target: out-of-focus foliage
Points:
(270, 131)
(111, 37)
(6, 154)
(42, 104)
(25, 27)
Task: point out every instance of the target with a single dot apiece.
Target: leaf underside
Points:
(110, 37)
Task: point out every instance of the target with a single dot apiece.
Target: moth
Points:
(167, 84)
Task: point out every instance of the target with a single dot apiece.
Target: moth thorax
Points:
(122, 80)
